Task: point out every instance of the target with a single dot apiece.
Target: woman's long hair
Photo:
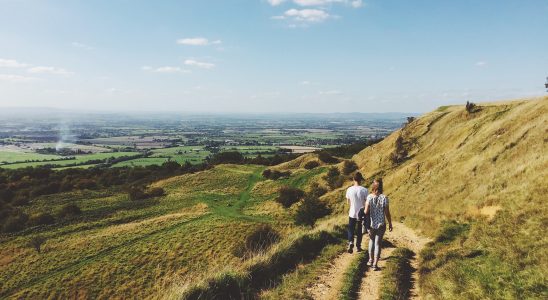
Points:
(376, 188)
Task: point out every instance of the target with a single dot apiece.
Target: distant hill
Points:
(488, 172)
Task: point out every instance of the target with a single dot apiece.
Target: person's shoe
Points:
(370, 263)
(350, 248)
(376, 268)
(359, 249)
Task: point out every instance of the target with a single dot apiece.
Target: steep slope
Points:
(487, 171)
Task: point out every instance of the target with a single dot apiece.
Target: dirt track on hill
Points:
(329, 283)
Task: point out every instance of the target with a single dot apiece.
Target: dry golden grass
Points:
(488, 169)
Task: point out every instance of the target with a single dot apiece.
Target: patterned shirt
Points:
(376, 209)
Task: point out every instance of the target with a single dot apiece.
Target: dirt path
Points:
(329, 283)
(401, 236)
(369, 288)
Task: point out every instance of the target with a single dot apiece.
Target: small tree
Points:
(400, 152)
(470, 107)
(36, 242)
(260, 239)
(69, 210)
(327, 158)
(410, 120)
(289, 195)
(316, 190)
(267, 173)
(310, 210)
(41, 219)
(349, 166)
(334, 178)
(311, 165)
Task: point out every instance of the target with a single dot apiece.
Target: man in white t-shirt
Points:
(355, 196)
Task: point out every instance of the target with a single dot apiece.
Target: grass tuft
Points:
(353, 277)
(396, 277)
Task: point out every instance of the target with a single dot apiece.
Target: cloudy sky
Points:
(270, 55)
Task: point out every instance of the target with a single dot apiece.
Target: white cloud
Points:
(199, 64)
(49, 70)
(356, 3)
(316, 2)
(198, 41)
(306, 15)
(166, 69)
(275, 2)
(11, 63)
(481, 64)
(81, 46)
(331, 92)
(16, 78)
(319, 3)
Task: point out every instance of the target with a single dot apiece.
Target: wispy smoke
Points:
(64, 137)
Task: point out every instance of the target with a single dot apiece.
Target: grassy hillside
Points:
(488, 172)
(138, 249)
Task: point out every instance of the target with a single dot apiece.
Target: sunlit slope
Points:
(120, 248)
(487, 170)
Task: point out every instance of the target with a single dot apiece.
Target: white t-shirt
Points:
(357, 196)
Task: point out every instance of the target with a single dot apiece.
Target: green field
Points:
(78, 159)
(19, 156)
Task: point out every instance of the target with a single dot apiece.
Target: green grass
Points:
(16, 156)
(78, 159)
(396, 277)
(294, 285)
(352, 277)
(264, 272)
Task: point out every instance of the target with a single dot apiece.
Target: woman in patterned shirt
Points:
(377, 206)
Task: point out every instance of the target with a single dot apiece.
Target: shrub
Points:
(327, 158)
(136, 193)
(69, 210)
(260, 239)
(334, 178)
(41, 219)
(470, 107)
(311, 165)
(36, 242)
(410, 120)
(349, 166)
(310, 210)
(228, 157)
(289, 195)
(316, 190)
(15, 222)
(400, 152)
(156, 192)
(275, 175)
(266, 173)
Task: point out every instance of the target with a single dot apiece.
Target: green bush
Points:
(36, 242)
(41, 219)
(311, 165)
(316, 190)
(287, 196)
(310, 210)
(15, 221)
(334, 178)
(327, 158)
(260, 239)
(69, 210)
(349, 166)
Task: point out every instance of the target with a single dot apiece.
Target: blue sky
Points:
(270, 55)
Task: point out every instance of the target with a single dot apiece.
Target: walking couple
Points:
(369, 211)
